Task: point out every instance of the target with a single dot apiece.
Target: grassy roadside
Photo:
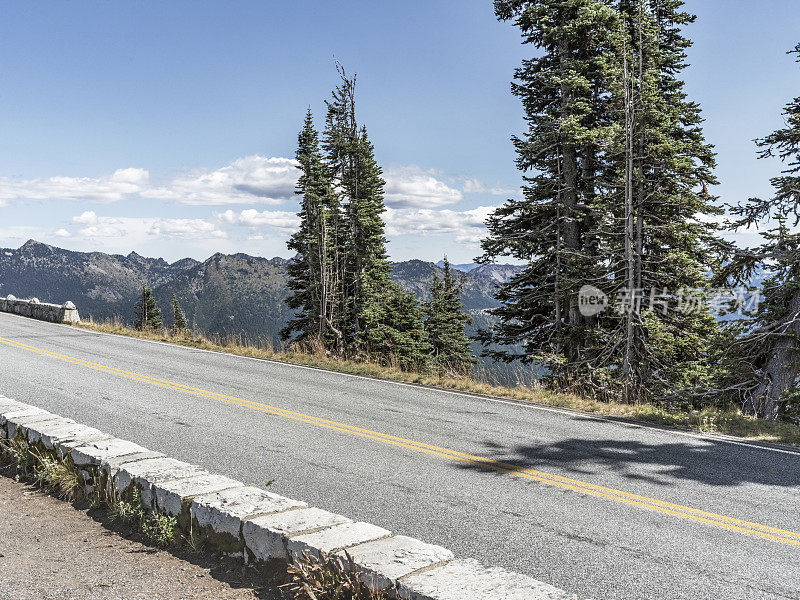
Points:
(709, 420)
(309, 577)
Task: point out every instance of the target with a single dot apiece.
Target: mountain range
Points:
(227, 294)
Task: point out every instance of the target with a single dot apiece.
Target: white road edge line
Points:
(522, 404)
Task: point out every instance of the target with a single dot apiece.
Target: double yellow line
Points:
(669, 508)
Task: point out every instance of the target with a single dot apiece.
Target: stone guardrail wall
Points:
(64, 313)
(257, 525)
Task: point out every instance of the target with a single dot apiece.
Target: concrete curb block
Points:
(261, 526)
(55, 313)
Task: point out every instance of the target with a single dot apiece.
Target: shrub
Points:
(159, 529)
(60, 479)
(128, 512)
(328, 578)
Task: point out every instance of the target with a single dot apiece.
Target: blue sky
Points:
(168, 128)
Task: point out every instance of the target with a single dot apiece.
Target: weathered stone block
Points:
(8, 405)
(76, 435)
(66, 313)
(33, 431)
(336, 538)
(23, 411)
(145, 473)
(111, 466)
(93, 453)
(266, 536)
(173, 497)
(65, 447)
(15, 424)
(225, 511)
(389, 559)
(468, 579)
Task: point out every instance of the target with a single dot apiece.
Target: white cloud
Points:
(142, 227)
(413, 186)
(467, 226)
(185, 228)
(252, 218)
(105, 189)
(131, 175)
(87, 217)
(62, 233)
(248, 180)
(474, 186)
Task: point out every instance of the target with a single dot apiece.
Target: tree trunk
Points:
(570, 230)
(781, 371)
(630, 307)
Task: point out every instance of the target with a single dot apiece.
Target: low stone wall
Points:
(64, 313)
(258, 525)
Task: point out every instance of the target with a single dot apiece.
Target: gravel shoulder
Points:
(53, 550)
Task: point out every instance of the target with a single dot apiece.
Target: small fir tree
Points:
(445, 320)
(179, 324)
(393, 329)
(148, 315)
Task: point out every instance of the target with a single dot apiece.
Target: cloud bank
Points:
(102, 190)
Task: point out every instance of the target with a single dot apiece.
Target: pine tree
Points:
(393, 329)
(312, 279)
(179, 324)
(367, 257)
(148, 315)
(339, 278)
(361, 259)
(656, 246)
(616, 175)
(554, 227)
(445, 320)
(762, 359)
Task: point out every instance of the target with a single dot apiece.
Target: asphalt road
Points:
(601, 508)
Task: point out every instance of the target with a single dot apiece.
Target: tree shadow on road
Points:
(704, 461)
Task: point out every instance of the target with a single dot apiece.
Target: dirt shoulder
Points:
(49, 550)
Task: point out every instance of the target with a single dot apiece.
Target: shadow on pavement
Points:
(704, 461)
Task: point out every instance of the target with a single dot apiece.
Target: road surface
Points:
(598, 507)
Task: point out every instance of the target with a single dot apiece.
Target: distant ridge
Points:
(227, 294)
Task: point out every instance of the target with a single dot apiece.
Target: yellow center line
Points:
(669, 508)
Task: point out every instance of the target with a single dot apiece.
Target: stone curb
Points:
(261, 526)
(56, 313)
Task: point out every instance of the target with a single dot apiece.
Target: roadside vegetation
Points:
(309, 578)
(708, 419)
(328, 578)
(63, 480)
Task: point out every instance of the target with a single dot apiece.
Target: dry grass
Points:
(708, 420)
(326, 577)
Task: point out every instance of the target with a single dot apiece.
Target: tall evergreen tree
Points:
(339, 279)
(148, 315)
(445, 320)
(762, 359)
(658, 249)
(616, 176)
(362, 260)
(178, 318)
(312, 278)
(554, 227)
